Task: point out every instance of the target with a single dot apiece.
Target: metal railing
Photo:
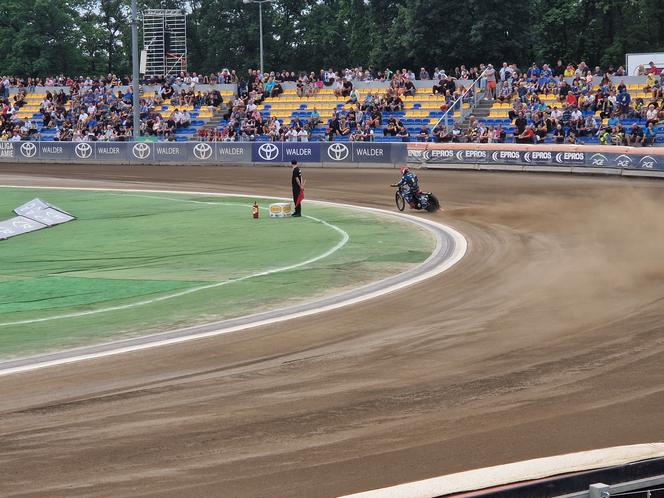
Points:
(475, 97)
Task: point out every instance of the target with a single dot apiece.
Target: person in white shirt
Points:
(186, 118)
(292, 135)
(557, 114)
(302, 135)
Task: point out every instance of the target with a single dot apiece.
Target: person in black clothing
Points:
(520, 122)
(298, 189)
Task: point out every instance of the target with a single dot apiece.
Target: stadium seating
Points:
(499, 115)
(199, 116)
(421, 109)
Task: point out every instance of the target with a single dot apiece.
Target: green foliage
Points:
(39, 37)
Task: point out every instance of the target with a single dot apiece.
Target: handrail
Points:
(460, 99)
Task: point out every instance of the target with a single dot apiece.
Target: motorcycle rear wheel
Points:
(433, 205)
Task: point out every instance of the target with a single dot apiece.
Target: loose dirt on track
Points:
(545, 339)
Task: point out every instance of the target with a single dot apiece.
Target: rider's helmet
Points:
(404, 170)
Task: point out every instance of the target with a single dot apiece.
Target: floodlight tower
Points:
(260, 23)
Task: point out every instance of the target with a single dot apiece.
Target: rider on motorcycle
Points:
(408, 185)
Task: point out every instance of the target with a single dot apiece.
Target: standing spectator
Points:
(623, 99)
(424, 74)
(520, 122)
(490, 75)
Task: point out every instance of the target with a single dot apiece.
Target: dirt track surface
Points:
(546, 339)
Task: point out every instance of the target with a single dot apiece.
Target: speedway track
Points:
(545, 339)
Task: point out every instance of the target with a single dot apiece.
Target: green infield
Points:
(135, 263)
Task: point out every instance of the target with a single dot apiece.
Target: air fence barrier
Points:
(632, 161)
(315, 153)
(600, 159)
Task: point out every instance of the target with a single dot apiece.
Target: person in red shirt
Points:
(571, 99)
(527, 137)
(653, 69)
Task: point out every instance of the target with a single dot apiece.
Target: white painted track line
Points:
(450, 248)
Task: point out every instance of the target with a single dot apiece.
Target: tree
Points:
(39, 38)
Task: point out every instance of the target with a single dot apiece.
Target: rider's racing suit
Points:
(409, 187)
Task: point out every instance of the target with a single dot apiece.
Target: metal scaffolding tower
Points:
(164, 41)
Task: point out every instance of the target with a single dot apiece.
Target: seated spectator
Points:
(338, 88)
(473, 133)
(604, 135)
(440, 88)
(277, 89)
(291, 135)
(344, 126)
(391, 127)
(357, 135)
(589, 126)
(440, 134)
(636, 136)
(618, 135)
(402, 132)
(375, 118)
(576, 118)
(457, 133)
(559, 134)
(541, 131)
(526, 137)
(571, 138)
(409, 88)
(505, 93)
(395, 104)
(499, 135)
(346, 88)
(423, 135)
(649, 135)
(314, 119)
(520, 122)
(651, 115)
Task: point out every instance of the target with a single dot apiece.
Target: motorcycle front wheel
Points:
(399, 200)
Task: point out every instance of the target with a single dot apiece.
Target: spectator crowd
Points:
(101, 108)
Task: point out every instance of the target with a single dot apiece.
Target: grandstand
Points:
(200, 115)
(498, 114)
(422, 109)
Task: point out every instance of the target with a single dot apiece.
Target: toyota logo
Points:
(337, 152)
(141, 151)
(83, 150)
(268, 152)
(28, 149)
(202, 151)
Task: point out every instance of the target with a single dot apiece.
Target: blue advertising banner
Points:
(266, 152)
(568, 159)
(306, 152)
(364, 152)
